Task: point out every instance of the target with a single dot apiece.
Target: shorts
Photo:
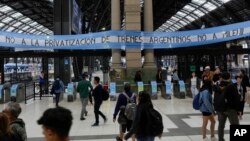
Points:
(126, 127)
(206, 113)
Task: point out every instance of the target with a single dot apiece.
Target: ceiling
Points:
(36, 16)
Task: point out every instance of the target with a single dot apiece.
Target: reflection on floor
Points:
(181, 122)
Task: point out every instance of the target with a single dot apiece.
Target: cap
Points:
(207, 68)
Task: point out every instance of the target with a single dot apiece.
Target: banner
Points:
(112, 87)
(127, 39)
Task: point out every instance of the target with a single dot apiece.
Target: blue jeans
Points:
(148, 138)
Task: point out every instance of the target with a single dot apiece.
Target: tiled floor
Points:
(181, 122)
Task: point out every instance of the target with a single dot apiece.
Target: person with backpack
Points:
(220, 102)
(98, 99)
(124, 99)
(57, 89)
(206, 107)
(83, 89)
(147, 123)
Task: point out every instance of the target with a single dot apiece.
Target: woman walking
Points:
(207, 109)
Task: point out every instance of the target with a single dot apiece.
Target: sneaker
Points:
(213, 139)
(95, 124)
(205, 139)
(118, 138)
(105, 120)
(82, 118)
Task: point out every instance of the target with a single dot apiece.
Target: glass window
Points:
(5, 9)
(225, 1)
(189, 8)
(181, 14)
(25, 20)
(199, 13)
(33, 24)
(209, 6)
(17, 24)
(199, 2)
(190, 18)
(20, 31)
(26, 27)
(7, 20)
(16, 15)
(2, 24)
(10, 29)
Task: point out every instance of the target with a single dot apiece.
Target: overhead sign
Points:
(128, 39)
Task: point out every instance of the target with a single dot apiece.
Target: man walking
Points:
(83, 89)
(97, 94)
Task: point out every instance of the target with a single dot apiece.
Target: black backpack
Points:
(219, 99)
(105, 95)
(155, 122)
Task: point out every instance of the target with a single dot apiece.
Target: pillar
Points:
(116, 25)
(62, 26)
(148, 27)
(133, 22)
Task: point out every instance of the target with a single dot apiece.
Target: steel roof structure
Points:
(36, 16)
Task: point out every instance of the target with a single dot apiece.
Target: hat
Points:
(207, 68)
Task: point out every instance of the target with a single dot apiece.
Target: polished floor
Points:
(181, 122)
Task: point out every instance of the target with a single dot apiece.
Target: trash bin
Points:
(17, 92)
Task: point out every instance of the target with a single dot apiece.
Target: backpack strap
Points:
(128, 99)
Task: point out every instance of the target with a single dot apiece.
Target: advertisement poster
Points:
(140, 86)
(112, 87)
(13, 91)
(182, 86)
(168, 87)
(154, 87)
(1, 90)
(70, 89)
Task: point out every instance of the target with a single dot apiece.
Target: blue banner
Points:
(127, 39)
(112, 87)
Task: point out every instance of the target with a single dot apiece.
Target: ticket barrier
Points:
(5, 93)
(17, 92)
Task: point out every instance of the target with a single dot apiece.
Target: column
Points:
(116, 25)
(148, 27)
(62, 26)
(133, 22)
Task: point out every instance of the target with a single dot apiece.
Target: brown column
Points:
(116, 25)
(133, 22)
